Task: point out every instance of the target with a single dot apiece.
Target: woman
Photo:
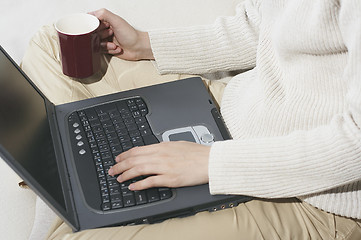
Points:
(295, 120)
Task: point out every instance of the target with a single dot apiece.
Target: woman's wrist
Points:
(145, 50)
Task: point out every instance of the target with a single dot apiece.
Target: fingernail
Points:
(111, 172)
(131, 187)
(119, 178)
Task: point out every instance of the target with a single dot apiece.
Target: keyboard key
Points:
(143, 111)
(122, 132)
(145, 132)
(116, 198)
(152, 195)
(101, 141)
(114, 190)
(91, 114)
(140, 197)
(116, 148)
(129, 201)
(129, 120)
(133, 108)
(103, 148)
(134, 133)
(126, 115)
(113, 183)
(104, 117)
(108, 162)
(116, 205)
(94, 122)
(104, 108)
(102, 180)
(103, 186)
(99, 135)
(105, 199)
(117, 119)
(113, 142)
(122, 106)
(126, 191)
(141, 105)
(81, 113)
(106, 206)
(124, 138)
(165, 193)
(105, 154)
(104, 192)
(140, 120)
(110, 129)
(89, 134)
(150, 139)
(100, 167)
(125, 184)
(136, 114)
(138, 144)
(136, 139)
(107, 123)
(127, 145)
(130, 102)
(143, 126)
(111, 135)
(114, 113)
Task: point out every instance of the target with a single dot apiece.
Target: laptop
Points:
(63, 152)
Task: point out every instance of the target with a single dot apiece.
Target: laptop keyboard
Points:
(111, 129)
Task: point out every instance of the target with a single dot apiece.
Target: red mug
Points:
(79, 45)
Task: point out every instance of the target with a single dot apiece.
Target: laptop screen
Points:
(25, 131)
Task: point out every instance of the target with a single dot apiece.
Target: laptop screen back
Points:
(25, 131)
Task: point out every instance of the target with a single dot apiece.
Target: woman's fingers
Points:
(171, 164)
(111, 48)
(151, 182)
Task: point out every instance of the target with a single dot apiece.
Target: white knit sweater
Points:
(295, 117)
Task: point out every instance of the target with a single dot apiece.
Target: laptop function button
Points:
(76, 125)
(80, 143)
(82, 152)
(78, 137)
(76, 131)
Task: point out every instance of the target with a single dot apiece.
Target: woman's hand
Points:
(167, 164)
(119, 38)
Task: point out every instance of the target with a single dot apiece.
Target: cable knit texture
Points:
(295, 117)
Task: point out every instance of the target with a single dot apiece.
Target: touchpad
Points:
(183, 136)
(197, 134)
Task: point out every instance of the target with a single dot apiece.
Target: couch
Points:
(23, 215)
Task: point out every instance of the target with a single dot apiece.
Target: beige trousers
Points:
(257, 219)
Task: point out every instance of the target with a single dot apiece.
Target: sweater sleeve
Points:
(303, 162)
(229, 44)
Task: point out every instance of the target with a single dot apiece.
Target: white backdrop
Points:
(20, 19)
